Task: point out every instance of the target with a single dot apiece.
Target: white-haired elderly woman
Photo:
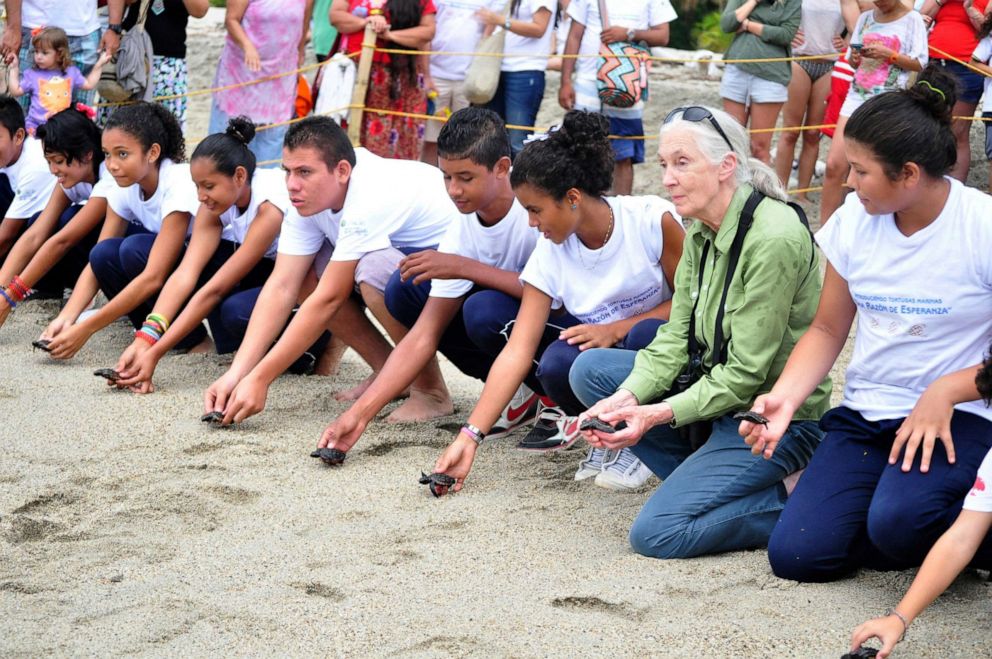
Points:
(720, 497)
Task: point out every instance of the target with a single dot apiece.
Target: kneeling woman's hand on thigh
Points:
(929, 421)
(764, 438)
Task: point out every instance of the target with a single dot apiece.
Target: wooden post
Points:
(361, 87)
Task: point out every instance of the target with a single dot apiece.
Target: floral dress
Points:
(393, 89)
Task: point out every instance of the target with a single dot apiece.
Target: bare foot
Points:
(330, 360)
(422, 406)
(204, 346)
(791, 481)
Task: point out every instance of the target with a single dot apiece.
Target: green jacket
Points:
(781, 21)
(772, 300)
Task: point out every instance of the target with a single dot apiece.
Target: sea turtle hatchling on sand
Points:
(436, 480)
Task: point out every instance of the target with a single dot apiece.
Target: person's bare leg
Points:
(763, 116)
(833, 180)
(792, 115)
(623, 176)
(736, 110)
(352, 326)
(962, 132)
(203, 347)
(429, 397)
(811, 138)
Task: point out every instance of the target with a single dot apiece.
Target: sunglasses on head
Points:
(695, 113)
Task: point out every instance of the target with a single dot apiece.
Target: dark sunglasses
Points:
(696, 113)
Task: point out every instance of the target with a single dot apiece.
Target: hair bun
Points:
(242, 129)
(580, 128)
(935, 91)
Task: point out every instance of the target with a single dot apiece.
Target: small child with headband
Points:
(53, 78)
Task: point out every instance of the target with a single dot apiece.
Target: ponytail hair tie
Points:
(933, 89)
(38, 30)
(87, 110)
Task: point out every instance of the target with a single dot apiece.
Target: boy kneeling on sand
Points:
(369, 213)
(432, 292)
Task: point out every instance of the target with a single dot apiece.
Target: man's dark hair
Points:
(11, 114)
(324, 135)
(476, 134)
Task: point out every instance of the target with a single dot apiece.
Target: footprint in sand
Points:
(320, 590)
(595, 604)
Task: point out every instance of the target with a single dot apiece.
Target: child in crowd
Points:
(229, 256)
(148, 220)
(600, 277)
(901, 451)
(949, 556)
(52, 253)
(435, 292)
(980, 60)
(368, 212)
(53, 79)
(26, 183)
(888, 44)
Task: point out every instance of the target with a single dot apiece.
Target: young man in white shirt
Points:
(638, 21)
(23, 166)
(431, 292)
(373, 211)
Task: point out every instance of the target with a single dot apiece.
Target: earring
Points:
(574, 207)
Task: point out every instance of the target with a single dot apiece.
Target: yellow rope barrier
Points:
(652, 58)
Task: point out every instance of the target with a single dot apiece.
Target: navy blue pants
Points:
(117, 261)
(236, 310)
(489, 318)
(65, 273)
(852, 509)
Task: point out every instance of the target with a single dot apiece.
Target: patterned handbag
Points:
(622, 77)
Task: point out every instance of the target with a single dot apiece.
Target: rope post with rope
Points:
(361, 87)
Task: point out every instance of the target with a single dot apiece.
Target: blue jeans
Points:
(84, 51)
(267, 145)
(853, 509)
(517, 100)
(720, 498)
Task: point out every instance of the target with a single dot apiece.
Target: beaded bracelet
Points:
(144, 335)
(20, 287)
(5, 295)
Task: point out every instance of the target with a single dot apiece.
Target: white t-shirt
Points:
(983, 53)
(267, 185)
(390, 203)
(83, 192)
(176, 192)
(820, 22)
(31, 181)
(621, 280)
(506, 245)
(76, 17)
(923, 300)
(636, 14)
(907, 36)
(529, 53)
(458, 31)
(980, 497)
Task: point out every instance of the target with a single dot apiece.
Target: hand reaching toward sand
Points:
(343, 432)
(456, 461)
(216, 396)
(247, 399)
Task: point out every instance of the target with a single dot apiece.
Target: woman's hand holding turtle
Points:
(764, 438)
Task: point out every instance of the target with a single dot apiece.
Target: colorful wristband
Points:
(6, 296)
(145, 336)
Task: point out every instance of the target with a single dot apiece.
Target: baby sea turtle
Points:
(864, 652)
(214, 418)
(601, 426)
(41, 344)
(436, 480)
(110, 374)
(753, 417)
(331, 456)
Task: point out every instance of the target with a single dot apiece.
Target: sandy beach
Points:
(127, 527)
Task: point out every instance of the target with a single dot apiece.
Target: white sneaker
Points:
(593, 464)
(521, 410)
(624, 472)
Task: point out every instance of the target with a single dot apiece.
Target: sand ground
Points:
(126, 527)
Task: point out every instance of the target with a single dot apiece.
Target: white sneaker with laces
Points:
(521, 410)
(593, 464)
(624, 472)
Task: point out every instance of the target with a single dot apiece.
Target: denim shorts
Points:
(742, 87)
(971, 84)
(624, 149)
